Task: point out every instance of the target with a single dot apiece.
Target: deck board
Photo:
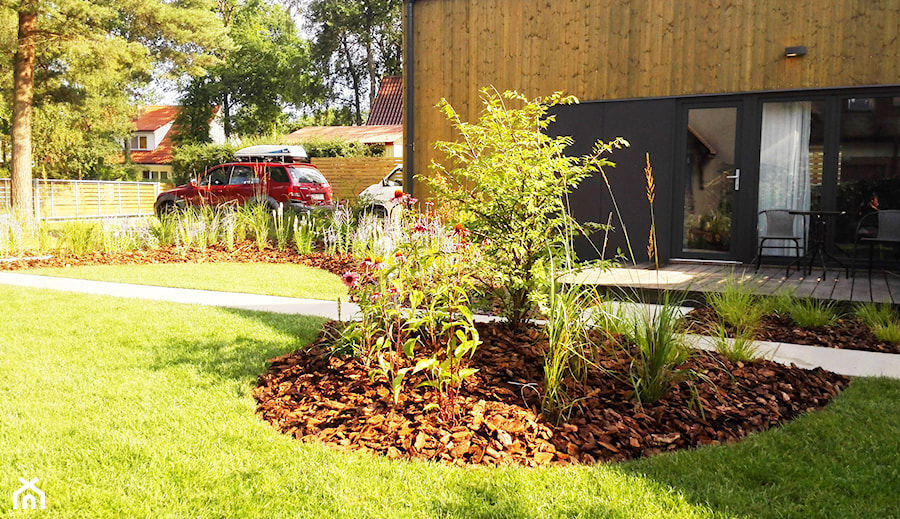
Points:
(700, 278)
(893, 283)
(826, 287)
(880, 291)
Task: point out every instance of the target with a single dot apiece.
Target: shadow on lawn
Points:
(246, 357)
(484, 500)
(838, 462)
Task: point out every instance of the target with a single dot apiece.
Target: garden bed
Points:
(247, 252)
(330, 400)
(847, 333)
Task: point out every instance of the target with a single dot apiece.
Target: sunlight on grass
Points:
(286, 280)
(143, 410)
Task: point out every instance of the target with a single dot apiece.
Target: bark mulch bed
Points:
(329, 399)
(848, 333)
(243, 253)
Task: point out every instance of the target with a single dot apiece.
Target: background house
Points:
(742, 106)
(384, 126)
(150, 147)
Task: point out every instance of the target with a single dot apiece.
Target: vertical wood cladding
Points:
(605, 49)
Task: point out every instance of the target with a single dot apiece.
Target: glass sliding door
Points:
(868, 162)
(790, 162)
(711, 179)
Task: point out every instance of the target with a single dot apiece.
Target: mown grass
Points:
(286, 280)
(122, 411)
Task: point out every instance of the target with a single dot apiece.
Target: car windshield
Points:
(306, 176)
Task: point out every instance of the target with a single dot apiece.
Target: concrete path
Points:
(281, 305)
(845, 362)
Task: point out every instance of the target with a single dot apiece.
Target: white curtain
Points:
(784, 163)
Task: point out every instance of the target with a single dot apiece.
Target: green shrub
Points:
(336, 147)
(813, 313)
(873, 314)
(881, 319)
(79, 237)
(507, 181)
(739, 348)
(658, 352)
(737, 306)
(887, 332)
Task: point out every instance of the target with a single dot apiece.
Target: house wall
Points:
(633, 64)
(639, 48)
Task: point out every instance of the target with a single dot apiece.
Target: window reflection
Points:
(868, 173)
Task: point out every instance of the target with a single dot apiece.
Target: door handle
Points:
(737, 179)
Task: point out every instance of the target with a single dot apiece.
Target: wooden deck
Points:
(695, 279)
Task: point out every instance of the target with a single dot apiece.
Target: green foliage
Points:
(507, 181)
(355, 44)
(888, 332)
(267, 74)
(658, 352)
(191, 160)
(330, 116)
(737, 306)
(881, 319)
(807, 312)
(259, 220)
(415, 311)
(92, 59)
(739, 348)
(568, 330)
(336, 147)
(79, 237)
(873, 314)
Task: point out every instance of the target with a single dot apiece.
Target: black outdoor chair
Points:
(887, 232)
(779, 226)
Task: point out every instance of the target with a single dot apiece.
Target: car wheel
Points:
(378, 211)
(166, 207)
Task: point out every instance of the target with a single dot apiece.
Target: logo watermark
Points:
(28, 496)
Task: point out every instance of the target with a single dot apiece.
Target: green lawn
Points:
(122, 409)
(250, 278)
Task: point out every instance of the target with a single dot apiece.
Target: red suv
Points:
(270, 175)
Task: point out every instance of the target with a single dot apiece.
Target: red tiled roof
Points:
(149, 119)
(161, 155)
(383, 134)
(153, 117)
(388, 105)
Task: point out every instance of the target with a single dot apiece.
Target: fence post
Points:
(36, 189)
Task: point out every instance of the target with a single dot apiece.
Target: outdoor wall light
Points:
(793, 52)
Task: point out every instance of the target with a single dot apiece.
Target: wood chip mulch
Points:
(848, 333)
(330, 400)
(243, 253)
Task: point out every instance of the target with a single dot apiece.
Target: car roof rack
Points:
(273, 153)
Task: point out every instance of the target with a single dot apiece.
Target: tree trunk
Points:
(354, 77)
(370, 65)
(226, 115)
(23, 88)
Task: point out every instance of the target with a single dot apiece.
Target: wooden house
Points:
(742, 105)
